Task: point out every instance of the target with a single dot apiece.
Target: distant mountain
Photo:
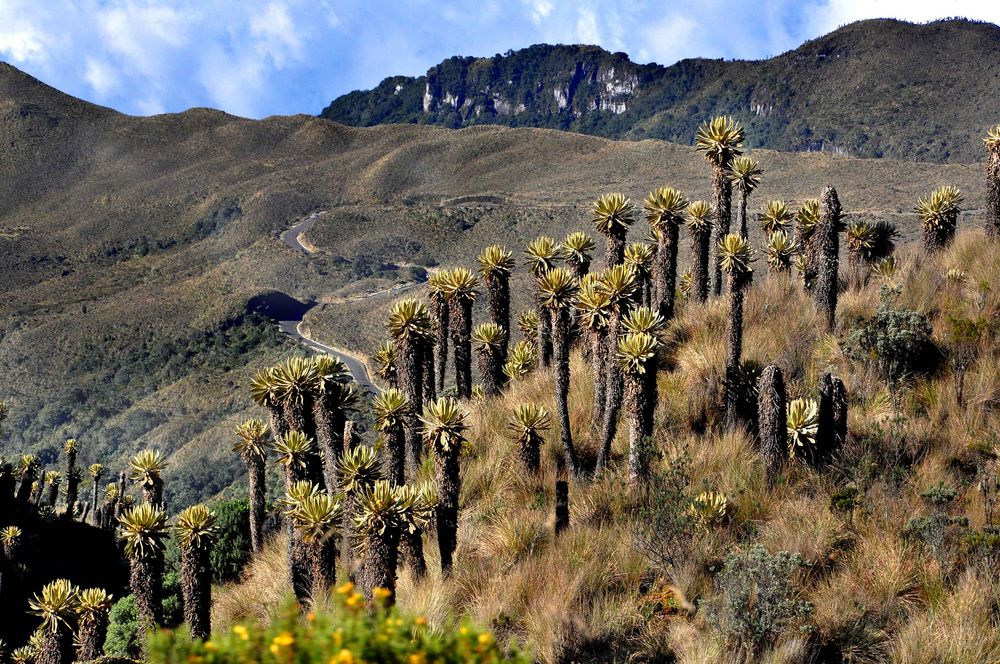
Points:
(878, 88)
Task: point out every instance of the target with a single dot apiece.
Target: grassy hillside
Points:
(133, 245)
(878, 88)
(893, 562)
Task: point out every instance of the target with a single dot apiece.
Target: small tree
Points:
(444, 431)
(827, 273)
(461, 289)
(70, 449)
(252, 447)
(737, 256)
(56, 605)
(721, 139)
(612, 216)
(92, 623)
(618, 284)
(806, 221)
(639, 256)
(196, 532)
(358, 471)
(439, 332)
(557, 288)
(495, 265)
(964, 336)
(577, 250)
(144, 528)
(636, 350)
(664, 211)
(540, 255)
(992, 142)
(594, 310)
(489, 339)
(146, 468)
(391, 408)
(527, 422)
(96, 471)
(408, 324)
(938, 214)
(744, 174)
(700, 227)
(317, 517)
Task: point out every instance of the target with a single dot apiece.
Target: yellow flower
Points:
(283, 639)
(485, 639)
(345, 656)
(311, 617)
(275, 649)
(209, 645)
(241, 632)
(420, 620)
(382, 593)
(346, 588)
(354, 601)
(417, 658)
(463, 630)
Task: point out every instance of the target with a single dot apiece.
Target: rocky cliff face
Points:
(873, 88)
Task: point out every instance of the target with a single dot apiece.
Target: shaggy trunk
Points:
(636, 407)
(561, 352)
(39, 488)
(147, 586)
(491, 371)
(579, 267)
(394, 454)
(351, 441)
(461, 337)
(256, 492)
(56, 647)
(744, 195)
(95, 500)
(614, 249)
(152, 492)
(53, 494)
(993, 194)
(722, 195)
(298, 415)
(562, 506)
(651, 395)
(828, 242)
(599, 361)
(72, 484)
(700, 242)
(832, 430)
(328, 420)
(544, 334)
(665, 271)
(734, 350)
(612, 392)
(427, 358)
(196, 588)
(498, 304)
(24, 488)
(298, 558)
(90, 637)
(771, 420)
(411, 381)
(323, 564)
(449, 486)
(530, 451)
(411, 549)
(439, 310)
(378, 568)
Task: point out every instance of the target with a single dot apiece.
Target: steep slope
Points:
(135, 248)
(878, 88)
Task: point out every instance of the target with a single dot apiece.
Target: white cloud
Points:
(586, 27)
(277, 36)
(540, 10)
(834, 13)
(101, 76)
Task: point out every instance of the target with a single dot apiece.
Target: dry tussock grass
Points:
(877, 595)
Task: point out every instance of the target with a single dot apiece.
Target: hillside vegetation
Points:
(133, 246)
(879, 88)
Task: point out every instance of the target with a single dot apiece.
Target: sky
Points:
(256, 58)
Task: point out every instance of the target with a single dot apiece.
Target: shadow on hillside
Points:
(278, 306)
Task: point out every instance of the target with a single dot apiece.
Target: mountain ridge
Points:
(841, 92)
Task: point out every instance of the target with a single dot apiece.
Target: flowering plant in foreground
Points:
(347, 634)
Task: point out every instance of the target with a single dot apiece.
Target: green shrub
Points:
(347, 635)
(896, 342)
(123, 629)
(760, 601)
(231, 550)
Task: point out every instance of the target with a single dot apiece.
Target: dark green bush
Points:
(123, 629)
